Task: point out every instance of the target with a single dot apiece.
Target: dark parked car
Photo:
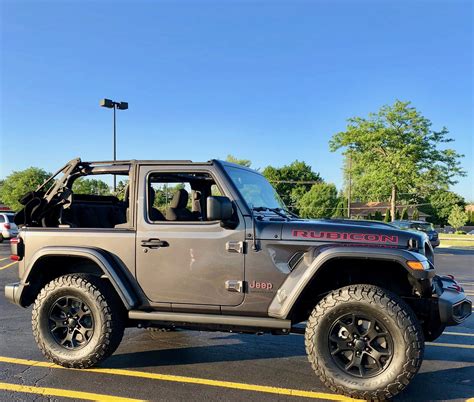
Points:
(421, 226)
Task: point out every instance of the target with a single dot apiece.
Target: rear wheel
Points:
(365, 342)
(77, 321)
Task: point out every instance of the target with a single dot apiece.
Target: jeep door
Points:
(182, 258)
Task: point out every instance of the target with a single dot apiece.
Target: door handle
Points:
(154, 243)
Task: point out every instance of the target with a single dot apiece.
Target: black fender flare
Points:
(295, 283)
(111, 268)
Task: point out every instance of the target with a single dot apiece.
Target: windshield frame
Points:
(250, 207)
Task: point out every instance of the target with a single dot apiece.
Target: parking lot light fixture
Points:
(110, 104)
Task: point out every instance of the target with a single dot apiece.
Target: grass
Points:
(456, 240)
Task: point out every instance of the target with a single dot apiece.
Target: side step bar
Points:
(230, 320)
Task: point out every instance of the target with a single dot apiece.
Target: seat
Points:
(154, 214)
(177, 210)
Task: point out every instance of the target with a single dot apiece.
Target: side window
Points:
(95, 203)
(179, 196)
(2, 219)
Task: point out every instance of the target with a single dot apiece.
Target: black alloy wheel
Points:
(71, 322)
(360, 345)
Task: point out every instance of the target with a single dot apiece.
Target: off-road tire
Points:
(107, 311)
(398, 319)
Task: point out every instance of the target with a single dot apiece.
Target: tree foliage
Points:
(292, 181)
(242, 162)
(458, 217)
(441, 203)
(416, 215)
(340, 210)
(387, 217)
(319, 202)
(19, 183)
(90, 186)
(404, 214)
(396, 151)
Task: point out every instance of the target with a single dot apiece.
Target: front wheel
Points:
(365, 342)
(77, 320)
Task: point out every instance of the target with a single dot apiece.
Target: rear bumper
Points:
(9, 233)
(13, 293)
(453, 305)
(435, 243)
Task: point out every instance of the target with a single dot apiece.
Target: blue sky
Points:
(269, 81)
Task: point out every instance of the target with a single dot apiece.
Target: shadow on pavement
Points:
(246, 349)
(454, 251)
(441, 385)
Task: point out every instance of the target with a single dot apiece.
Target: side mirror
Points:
(219, 208)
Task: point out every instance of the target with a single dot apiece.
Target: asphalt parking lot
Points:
(185, 365)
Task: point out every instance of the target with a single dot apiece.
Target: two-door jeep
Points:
(210, 246)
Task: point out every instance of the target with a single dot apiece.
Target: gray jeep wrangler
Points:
(210, 246)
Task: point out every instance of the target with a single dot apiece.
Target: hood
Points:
(374, 234)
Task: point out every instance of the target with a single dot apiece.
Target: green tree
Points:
(90, 186)
(292, 181)
(120, 189)
(378, 216)
(387, 217)
(319, 202)
(339, 211)
(19, 183)
(458, 217)
(416, 215)
(441, 203)
(395, 150)
(397, 215)
(404, 215)
(471, 217)
(243, 162)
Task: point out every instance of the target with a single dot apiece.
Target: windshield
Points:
(425, 227)
(255, 189)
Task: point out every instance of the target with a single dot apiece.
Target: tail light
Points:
(7, 226)
(17, 249)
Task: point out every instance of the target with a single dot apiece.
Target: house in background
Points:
(364, 209)
(4, 208)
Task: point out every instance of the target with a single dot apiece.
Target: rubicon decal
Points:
(365, 237)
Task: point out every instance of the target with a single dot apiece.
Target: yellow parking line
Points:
(458, 333)
(8, 265)
(3, 259)
(450, 345)
(65, 393)
(189, 380)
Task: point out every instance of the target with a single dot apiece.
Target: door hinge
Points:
(233, 285)
(235, 247)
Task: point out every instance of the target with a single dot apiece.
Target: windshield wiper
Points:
(292, 214)
(274, 210)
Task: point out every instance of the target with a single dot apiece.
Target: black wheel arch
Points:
(342, 266)
(52, 262)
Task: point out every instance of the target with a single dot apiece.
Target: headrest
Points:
(196, 195)
(180, 199)
(151, 196)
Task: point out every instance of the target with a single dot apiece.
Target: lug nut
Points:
(367, 349)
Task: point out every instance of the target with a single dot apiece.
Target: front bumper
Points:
(435, 242)
(453, 305)
(13, 293)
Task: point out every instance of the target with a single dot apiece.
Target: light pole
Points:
(110, 104)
